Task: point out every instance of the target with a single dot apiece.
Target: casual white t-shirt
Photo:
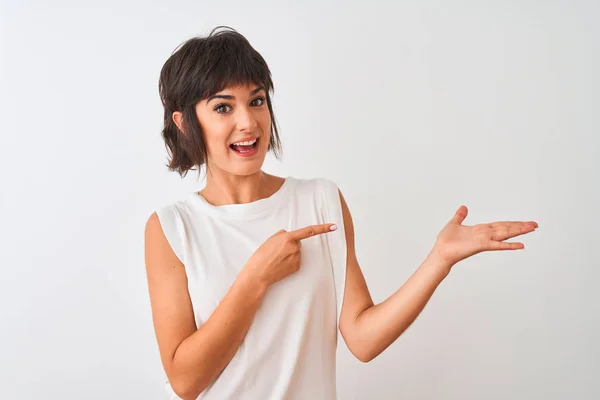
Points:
(289, 351)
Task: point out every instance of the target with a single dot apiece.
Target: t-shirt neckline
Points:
(250, 210)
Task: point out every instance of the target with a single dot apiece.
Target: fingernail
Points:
(333, 227)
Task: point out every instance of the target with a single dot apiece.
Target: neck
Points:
(223, 188)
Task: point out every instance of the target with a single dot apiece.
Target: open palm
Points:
(456, 241)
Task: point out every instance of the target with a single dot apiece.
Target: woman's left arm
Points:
(369, 329)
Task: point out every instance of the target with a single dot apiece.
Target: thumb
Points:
(460, 215)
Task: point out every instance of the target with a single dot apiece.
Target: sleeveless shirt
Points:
(289, 351)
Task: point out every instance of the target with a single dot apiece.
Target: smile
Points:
(246, 149)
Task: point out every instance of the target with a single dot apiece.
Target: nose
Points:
(246, 120)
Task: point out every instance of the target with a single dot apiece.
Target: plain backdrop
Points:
(413, 108)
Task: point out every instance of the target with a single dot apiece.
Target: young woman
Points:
(251, 277)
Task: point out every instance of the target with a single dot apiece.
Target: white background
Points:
(413, 108)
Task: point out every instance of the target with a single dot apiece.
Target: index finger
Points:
(312, 230)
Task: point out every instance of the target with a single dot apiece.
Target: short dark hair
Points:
(197, 69)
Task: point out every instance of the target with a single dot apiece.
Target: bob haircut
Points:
(197, 69)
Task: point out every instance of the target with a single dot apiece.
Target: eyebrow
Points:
(228, 97)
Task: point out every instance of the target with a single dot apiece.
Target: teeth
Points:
(247, 143)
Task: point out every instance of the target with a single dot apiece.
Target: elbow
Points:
(186, 393)
(361, 349)
(364, 358)
(185, 390)
(181, 390)
(363, 355)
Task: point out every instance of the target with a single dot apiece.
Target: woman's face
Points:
(236, 115)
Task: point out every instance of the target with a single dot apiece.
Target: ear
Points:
(178, 119)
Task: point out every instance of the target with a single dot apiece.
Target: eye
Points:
(219, 107)
(262, 101)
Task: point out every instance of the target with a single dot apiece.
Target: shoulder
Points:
(322, 191)
(330, 190)
(325, 192)
(167, 224)
(160, 243)
(319, 184)
(162, 218)
(173, 212)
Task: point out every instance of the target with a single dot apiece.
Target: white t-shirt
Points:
(289, 351)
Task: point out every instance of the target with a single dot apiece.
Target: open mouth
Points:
(245, 148)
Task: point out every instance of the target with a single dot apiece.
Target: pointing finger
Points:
(312, 230)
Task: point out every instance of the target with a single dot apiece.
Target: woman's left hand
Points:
(456, 241)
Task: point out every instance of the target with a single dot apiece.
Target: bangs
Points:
(229, 61)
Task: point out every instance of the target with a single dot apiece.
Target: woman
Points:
(251, 278)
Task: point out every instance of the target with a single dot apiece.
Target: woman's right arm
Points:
(193, 358)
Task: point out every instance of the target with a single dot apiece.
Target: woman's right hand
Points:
(279, 255)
